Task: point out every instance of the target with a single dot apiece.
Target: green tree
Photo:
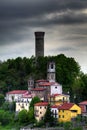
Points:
(31, 115)
(84, 87)
(33, 101)
(23, 117)
(1, 99)
(8, 106)
(67, 126)
(5, 106)
(48, 118)
(15, 72)
(6, 117)
(31, 109)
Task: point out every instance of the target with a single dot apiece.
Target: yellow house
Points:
(57, 99)
(22, 105)
(40, 109)
(23, 102)
(68, 111)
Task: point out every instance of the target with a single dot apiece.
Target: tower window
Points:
(51, 66)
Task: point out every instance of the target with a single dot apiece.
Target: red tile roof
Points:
(17, 92)
(41, 80)
(66, 106)
(83, 103)
(45, 84)
(41, 104)
(27, 96)
(38, 89)
(55, 106)
(54, 95)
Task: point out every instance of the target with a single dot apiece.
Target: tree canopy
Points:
(14, 73)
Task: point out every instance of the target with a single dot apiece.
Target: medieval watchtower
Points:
(39, 44)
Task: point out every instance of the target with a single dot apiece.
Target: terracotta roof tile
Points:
(66, 106)
(45, 84)
(55, 106)
(27, 96)
(41, 80)
(41, 104)
(54, 95)
(17, 92)
(83, 103)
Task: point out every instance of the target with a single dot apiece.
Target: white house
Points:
(15, 95)
(54, 110)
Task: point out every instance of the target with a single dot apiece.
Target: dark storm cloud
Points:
(17, 15)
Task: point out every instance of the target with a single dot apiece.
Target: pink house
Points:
(83, 106)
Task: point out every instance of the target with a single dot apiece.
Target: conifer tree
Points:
(48, 118)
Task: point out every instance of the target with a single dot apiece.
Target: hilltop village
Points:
(49, 92)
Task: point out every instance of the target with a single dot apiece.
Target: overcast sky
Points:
(64, 23)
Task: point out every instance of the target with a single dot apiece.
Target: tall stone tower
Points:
(51, 71)
(39, 44)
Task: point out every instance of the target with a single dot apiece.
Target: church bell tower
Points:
(30, 84)
(51, 71)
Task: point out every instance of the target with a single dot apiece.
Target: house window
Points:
(40, 112)
(86, 108)
(63, 116)
(45, 107)
(22, 106)
(59, 116)
(63, 98)
(55, 112)
(52, 111)
(55, 87)
(62, 110)
(40, 107)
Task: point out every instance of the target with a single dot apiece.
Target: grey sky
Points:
(64, 23)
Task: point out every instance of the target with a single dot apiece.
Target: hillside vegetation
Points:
(14, 74)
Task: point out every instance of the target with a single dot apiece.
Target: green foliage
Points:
(5, 117)
(40, 124)
(48, 118)
(31, 109)
(79, 87)
(1, 99)
(67, 126)
(14, 73)
(5, 106)
(23, 117)
(34, 100)
(9, 106)
(31, 115)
